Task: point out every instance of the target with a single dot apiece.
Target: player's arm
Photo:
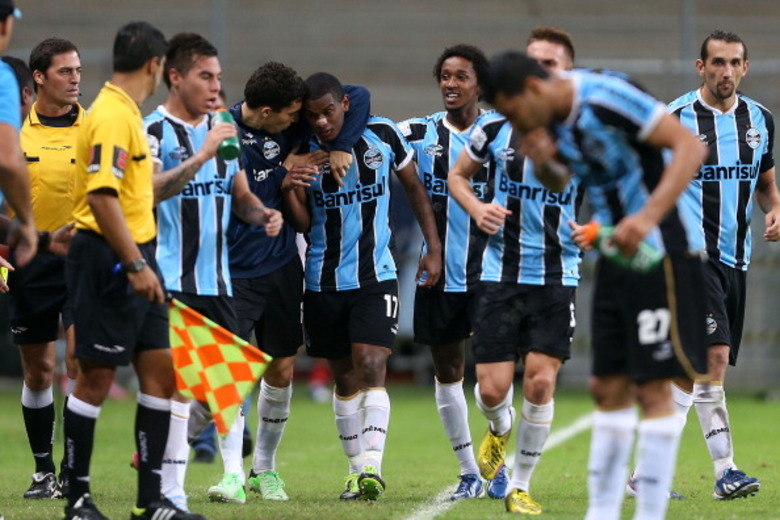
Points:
(539, 146)
(430, 264)
(56, 242)
(15, 184)
(169, 183)
(251, 209)
(489, 217)
(768, 199)
(295, 197)
(355, 120)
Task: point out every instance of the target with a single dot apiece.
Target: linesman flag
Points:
(212, 364)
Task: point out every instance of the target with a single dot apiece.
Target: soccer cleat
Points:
(351, 488)
(269, 484)
(180, 501)
(492, 451)
(163, 509)
(229, 489)
(370, 483)
(521, 503)
(631, 489)
(470, 487)
(735, 484)
(83, 509)
(43, 485)
(498, 487)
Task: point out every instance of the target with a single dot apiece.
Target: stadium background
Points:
(390, 48)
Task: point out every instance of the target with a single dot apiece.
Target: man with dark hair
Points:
(443, 313)
(525, 299)
(351, 300)
(14, 182)
(551, 47)
(113, 280)
(24, 78)
(196, 190)
(38, 292)
(739, 133)
(647, 325)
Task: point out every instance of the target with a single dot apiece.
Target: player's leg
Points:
(177, 451)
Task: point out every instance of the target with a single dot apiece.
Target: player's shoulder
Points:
(686, 100)
(490, 118)
(155, 116)
(753, 103)
(415, 128)
(383, 127)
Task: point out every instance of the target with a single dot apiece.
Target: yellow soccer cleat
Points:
(521, 503)
(491, 454)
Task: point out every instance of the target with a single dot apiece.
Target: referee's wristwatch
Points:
(136, 266)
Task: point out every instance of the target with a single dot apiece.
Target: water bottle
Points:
(229, 148)
(646, 258)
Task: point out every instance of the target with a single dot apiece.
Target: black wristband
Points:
(44, 239)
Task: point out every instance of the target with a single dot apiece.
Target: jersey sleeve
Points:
(154, 134)
(768, 159)
(414, 131)
(109, 152)
(10, 107)
(355, 119)
(478, 144)
(625, 107)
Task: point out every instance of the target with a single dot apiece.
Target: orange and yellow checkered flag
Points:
(212, 364)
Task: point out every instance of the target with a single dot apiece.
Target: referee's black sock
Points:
(80, 418)
(38, 412)
(152, 420)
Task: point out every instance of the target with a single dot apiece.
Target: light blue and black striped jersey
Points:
(192, 249)
(350, 235)
(437, 144)
(719, 200)
(534, 246)
(603, 142)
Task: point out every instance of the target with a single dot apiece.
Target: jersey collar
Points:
(204, 120)
(717, 111)
(124, 96)
(33, 119)
(449, 126)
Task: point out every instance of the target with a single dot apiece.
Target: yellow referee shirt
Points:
(51, 160)
(112, 152)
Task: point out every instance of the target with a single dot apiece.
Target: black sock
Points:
(79, 439)
(39, 423)
(151, 435)
(63, 468)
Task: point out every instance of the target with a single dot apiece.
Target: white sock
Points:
(659, 440)
(682, 403)
(376, 418)
(454, 415)
(710, 403)
(36, 399)
(177, 450)
(200, 417)
(499, 417)
(533, 428)
(231, 446)
(349, 423)
(610, 447)
(273, 409)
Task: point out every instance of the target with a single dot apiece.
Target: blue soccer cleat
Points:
(735, 484)
(470, 487)
(499, 486)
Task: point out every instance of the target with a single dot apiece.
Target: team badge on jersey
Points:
(753, 138)
(507, 154)
(179, 153)
(271, 149)
(373, 158)
(94, 159)
(434, 150)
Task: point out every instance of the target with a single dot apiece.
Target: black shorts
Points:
(649, 326)
(270, 306)
(219, 309)
(442, 317)
(38, 298)
(337, 319)
(513, 319)
(724, 287)
(112, 322)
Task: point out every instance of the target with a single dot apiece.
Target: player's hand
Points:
(60, 239)
(23, 239)
(580, 237)
(630, 231)
(429, 270)
(214, 138)
(339, 165)
(7, 265)
(538, 145)
(490, 217)
(772, 221)
(146, 285)
(315, 158)
(299, 176)
(272, 222)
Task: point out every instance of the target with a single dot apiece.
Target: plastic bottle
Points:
(646, 258)
(229, 149)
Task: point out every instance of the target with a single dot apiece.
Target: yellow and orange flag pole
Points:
(212, 364)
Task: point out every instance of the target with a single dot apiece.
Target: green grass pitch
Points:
(418, 465)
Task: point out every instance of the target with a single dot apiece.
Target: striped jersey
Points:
(437, 144)
(350, 235)
(192, 247)
(603, 142)
(719, 200)
(534, 246)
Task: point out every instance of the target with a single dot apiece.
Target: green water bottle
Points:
(646, 258)
(229, 148)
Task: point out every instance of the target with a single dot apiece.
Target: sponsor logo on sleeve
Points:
(119, 162)
(94, 159)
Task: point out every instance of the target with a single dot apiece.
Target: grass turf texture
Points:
(418, 465)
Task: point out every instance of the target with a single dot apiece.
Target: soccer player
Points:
(24, 78)
(38, 292)
(266, 270)
(525, 302)
(351, 300)
(739, 133)
(14, 181)
(646, 326)
(196, 191)
(442, 313)
(112, 277)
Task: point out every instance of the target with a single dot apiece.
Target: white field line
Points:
(441, 503)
